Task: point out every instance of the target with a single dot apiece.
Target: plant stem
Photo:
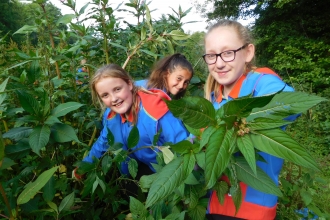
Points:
(51, 39)
(4, 196)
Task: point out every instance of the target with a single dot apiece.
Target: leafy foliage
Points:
(48, 121)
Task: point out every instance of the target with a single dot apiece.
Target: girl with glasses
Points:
(229, 55)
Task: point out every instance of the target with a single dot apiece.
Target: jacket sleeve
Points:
(270, 84)
(172, 129)
(101, 144)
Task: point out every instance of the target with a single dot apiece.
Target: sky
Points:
(159, 7)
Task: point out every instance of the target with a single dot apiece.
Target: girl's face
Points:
(227, 73)
(178, 80)
(115, 93)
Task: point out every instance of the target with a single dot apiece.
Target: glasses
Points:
(226, 56)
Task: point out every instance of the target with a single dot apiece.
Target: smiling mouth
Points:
(118, 104)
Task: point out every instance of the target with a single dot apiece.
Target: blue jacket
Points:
(153, 116)
(142, 83)
(256, 205)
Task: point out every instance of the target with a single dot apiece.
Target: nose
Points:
(113, 98)
(220, 63)
(181, 85)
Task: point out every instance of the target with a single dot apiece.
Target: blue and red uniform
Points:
(143, 83)
(153, 116)
(256, 205)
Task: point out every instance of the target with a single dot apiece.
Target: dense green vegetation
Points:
(48, 121)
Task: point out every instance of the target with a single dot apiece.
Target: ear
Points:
(250, 49)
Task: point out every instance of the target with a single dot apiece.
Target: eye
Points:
(210, 56)
(104, 95)
(179, 79)
(117, 89)
(227, 53)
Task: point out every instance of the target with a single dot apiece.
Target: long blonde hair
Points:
(114, 71)
(244, 34)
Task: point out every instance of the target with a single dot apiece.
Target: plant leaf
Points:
(245, 145)
(65, 108)
(167, 154)
(63, 133)
(242, 107)
(218, 155)
(197, 213)
(26, 29)
(106, 164)
(6, 163)
(306, 197)
(133, 167)
(206, 136)
(260, 181)
(178, 35)
(196, 112)
(278, 143)
(182, 146)
(146, 180)
(237, 197)
(286, 103)
(19, 150)
(133, 137)
(52, 206)
(49, 190)
(2, 88)
(52, 120)
(17, 134)
(67, 202)
(39, 138)
(221, 189)
(169, 178)
(33, 187)
(137, 208)
(266, 123)
(28, 102)
(65, 19)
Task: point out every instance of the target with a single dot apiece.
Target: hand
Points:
(75, 175)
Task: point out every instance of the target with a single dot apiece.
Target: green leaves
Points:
(196, 112)
(137, 209)
(26, 29)
(39, 138)
(169, 178)
(218, 154)
(66, 203)
(259, 181)
(133, 137)
(245, 125)
(66, 19)
(285, 104)
(65, 108)
(278, 143)
(178, 35)
(32, 188)
(29, 102)
(2, 89)
(63, 133)
(243, 106)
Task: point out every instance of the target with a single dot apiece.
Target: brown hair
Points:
(244, 34)
(114, 71)
(165, 66)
